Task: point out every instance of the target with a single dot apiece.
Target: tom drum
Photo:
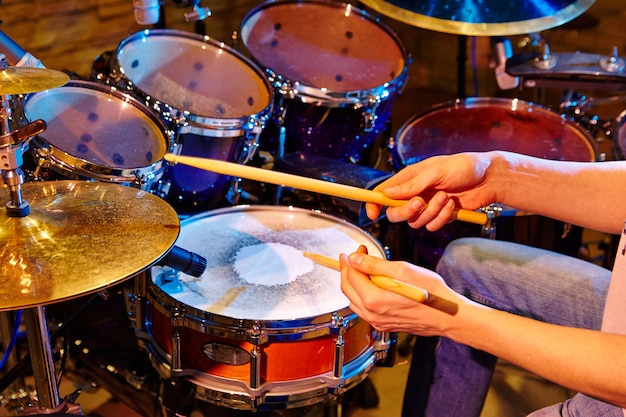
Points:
(97, 133)
(486, 124)
(215, 99)
(336, 71)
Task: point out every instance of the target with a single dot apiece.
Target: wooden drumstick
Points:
(402, 288)
(308, 184)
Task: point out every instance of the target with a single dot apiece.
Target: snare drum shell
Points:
(286, 360)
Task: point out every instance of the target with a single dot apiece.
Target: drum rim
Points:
(179, 116)
(66, 161)
(272, 327)
(477, 102)
(311, 94)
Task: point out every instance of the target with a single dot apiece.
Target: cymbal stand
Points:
(12, 146)
(38, 336)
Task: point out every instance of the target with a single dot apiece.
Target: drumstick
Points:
(308, 184)
(402, 288)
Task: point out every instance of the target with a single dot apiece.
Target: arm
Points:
(583, 193)
(544, 349)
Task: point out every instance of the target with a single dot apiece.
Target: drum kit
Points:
(92, 203)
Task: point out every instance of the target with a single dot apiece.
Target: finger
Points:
(443, 218)
(346, 285)
(372, 211)
(364, 263)
(433, 212)
(412, 210)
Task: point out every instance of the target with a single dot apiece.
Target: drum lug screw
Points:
(256, 336)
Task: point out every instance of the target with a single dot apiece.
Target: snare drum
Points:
(486, 124)
(97, 133)
(263, 327)
(336, 71)
(215, 99)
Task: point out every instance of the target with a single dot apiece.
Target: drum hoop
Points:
(72, 163)
(477, 102)
(315, 95)
(170, 112)
(272, 328)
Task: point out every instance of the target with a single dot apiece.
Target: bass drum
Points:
(263, 328)
(336, 71)
(486, 124)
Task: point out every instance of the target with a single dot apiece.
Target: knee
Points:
(458, 252)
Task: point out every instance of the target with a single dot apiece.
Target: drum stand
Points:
(42, 358)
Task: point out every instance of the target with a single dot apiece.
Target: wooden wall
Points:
(70, 34)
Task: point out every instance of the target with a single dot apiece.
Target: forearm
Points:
(583, 360)
(583, 193)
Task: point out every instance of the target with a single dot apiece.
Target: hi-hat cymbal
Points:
(24, 80)
(80, 237)
(482, 18)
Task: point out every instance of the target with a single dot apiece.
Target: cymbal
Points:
(484, 18)
(24, 80)
(79, 238)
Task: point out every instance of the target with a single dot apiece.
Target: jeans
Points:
(449, 379)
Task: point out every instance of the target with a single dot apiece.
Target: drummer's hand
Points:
(435, 187)
(387, 311)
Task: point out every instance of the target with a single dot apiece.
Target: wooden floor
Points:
(70, 34)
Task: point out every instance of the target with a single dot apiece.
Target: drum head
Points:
(193, 74)
(256, 269)
(486, 124)
(323, 44)
(98, 125)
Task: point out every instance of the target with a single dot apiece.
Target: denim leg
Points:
(580, 405)
(508, 276)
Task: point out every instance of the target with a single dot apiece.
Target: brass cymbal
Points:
(24, 80)
(80, 237)
(484, 18)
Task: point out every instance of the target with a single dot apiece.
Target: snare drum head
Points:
(255, 266)
(193, 74)
(97, 125)
(323, 44)
(486, 124)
